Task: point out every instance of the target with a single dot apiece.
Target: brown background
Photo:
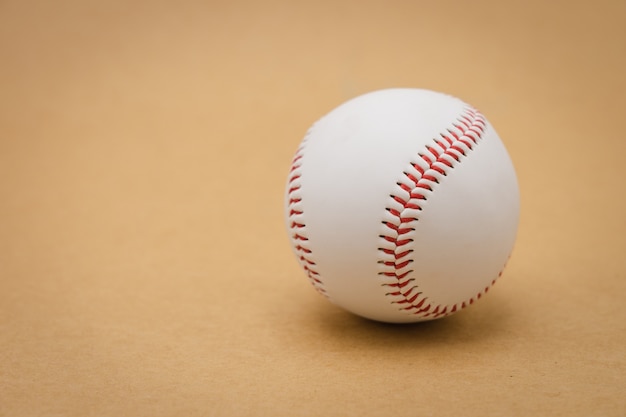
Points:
(144, 267)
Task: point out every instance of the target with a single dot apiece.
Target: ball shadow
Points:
(481, 322)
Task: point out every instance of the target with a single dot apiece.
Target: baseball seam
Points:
(297, 226)
(414, 188)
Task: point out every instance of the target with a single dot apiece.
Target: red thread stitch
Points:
(435, 162)
(297, 224)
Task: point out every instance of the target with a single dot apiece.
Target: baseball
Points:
(402, 205)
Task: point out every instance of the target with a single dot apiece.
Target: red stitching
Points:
(297, 224)
(436, 160)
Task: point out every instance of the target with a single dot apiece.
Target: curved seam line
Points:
(439, 158)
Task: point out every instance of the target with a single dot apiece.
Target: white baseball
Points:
(402, 205)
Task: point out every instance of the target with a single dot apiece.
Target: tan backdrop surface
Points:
(144, 266)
